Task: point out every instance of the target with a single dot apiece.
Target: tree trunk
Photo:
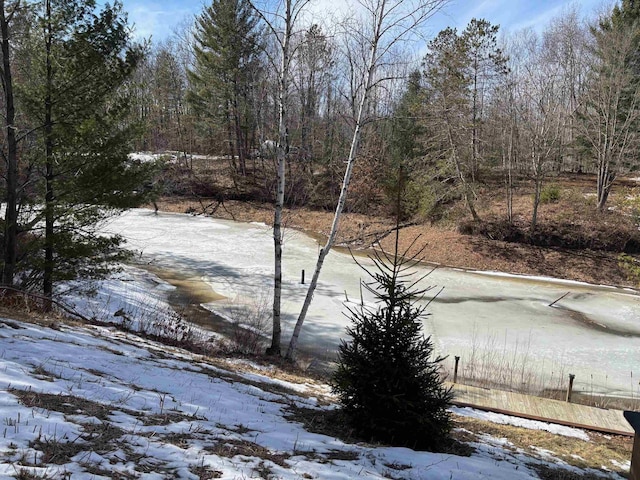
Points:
(474, 123)
(536, 203)
(605, 182)
(466, 189)
(509, 179)
(49, 196)
(11, 216)
(355, 141)
(240, 146)
(281, 149)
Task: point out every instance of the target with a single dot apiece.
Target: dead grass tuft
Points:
(28, 474)
(99, 471)
(245, 448)
(65, 404)
(397, 466)
(165, 418)
(205, 473)
(57, 451)
(546, 472)
(239, 429)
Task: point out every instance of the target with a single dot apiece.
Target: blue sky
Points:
(159, 18)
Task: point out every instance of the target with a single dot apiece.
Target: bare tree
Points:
(281, 23)
(540, 105)
(565, 42)
(504, 121)
(386, 24)
(312, 73)
(610, 111)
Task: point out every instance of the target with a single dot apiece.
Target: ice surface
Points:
(502, 324)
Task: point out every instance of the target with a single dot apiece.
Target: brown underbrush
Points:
(572, 239)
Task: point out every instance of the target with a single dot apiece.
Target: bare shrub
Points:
(251, 322)
(166, 326)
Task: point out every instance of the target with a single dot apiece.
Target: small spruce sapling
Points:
(388, 381)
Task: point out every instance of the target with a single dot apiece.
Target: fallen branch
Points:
(379, 235)
(557, 300)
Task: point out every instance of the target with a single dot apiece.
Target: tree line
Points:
(425, 131)
(523, 105)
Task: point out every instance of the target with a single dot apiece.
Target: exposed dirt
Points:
(442, 244)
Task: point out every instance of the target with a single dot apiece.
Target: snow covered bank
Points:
(92, 402)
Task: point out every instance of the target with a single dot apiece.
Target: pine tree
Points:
(627, 12)
(387, 378)
(79, 58)
(227, 46)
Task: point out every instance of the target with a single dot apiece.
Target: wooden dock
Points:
(543, 409)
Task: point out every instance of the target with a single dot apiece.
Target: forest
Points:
(464, 117)
(362, 115)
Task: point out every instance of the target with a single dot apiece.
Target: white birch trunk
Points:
(281, 152)
(367, 87)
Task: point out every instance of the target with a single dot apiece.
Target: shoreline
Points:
(442, 246)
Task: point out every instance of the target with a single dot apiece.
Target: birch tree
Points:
(281, 23)
(384, 25)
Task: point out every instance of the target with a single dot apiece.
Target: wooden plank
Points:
(543, 409)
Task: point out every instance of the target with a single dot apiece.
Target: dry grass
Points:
(65, 404)
(233, 448)
(549, 473)
(204, 473)
(600, 450)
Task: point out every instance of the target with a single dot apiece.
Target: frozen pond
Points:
(501, 326)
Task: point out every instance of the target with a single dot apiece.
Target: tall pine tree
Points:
(79, 57)
(227, 48)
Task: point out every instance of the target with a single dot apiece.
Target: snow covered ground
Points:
(96, 403)
(500, 325)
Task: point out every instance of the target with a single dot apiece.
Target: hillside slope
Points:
(85, 402)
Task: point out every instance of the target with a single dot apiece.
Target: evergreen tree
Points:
(79, 58)
(448, 113)
(387, 379)
(627, 12)
(486, 62)
(406, 152)
(227, 46)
